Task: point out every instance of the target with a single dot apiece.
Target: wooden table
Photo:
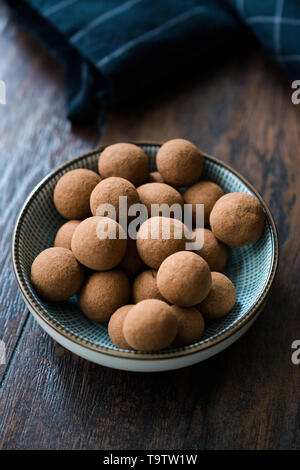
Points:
(245, 398)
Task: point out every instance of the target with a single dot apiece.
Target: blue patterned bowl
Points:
(251, 269)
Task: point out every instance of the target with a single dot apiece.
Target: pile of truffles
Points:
(151, 291)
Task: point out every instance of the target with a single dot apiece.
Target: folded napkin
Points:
(114, 50)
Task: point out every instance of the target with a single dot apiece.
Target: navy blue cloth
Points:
(114, 50)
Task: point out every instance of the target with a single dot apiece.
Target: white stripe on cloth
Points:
(102, 18)
(273, 19)
(59, 6)
(241, 7)
(277, 26)
(169, 24)
(289, 58)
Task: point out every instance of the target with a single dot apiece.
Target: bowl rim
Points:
(133, 354)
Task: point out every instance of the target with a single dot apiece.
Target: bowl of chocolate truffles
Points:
(145, 256)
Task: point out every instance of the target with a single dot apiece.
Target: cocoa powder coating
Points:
(103, 293)
(158, 193)
(65, 233)
(203, 192)
(125, 160)
(221, 298)
(150, 325)
(213, 251)
(178, 277)
(237, 219)
(72, 193)
(184, 279)
(151, 245)
(179, 162)
(115, 327)
(109, 190)
(155, 177)
(190, 325)
(131, 263)
(145, 286)
(97, 253)
(56, 274)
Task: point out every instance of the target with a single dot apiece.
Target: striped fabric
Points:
(276, 24)
(114, 50)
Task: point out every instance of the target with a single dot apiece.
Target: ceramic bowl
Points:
(251, 269)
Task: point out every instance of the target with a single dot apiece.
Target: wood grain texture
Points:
(34, 139)
(245, 398)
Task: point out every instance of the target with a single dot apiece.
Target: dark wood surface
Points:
(246, 397)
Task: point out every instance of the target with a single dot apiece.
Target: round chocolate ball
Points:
(145, 286)
(125, 160)
(103, 293)
(213, 251)
(221, 298)
(109, 190)
(115, 327)
(203, 192)
(155, 177)
(150, 325)
(159, 193)
(159, 237)
(190, 325)
(65, 233)
(72, 193)
(97, 243)
(56, 274)
(183, 278)
(237, 219)
(179, 162)
(132, 264)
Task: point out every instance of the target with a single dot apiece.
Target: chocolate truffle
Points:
(56, 274)
(213, 251)
(65, 233)
(103, 293)
(132, 264)
(95, 251)
(150, 325)
(109, 190)
(159, 193)
(179, 162)
(115, 327)
(203, 192)
(145, 287)
(125, 160)
(190, 325)
(237, 219)
(72, 193)
(155, 177)
(156, 239)
(221, 297)
(184, 278)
